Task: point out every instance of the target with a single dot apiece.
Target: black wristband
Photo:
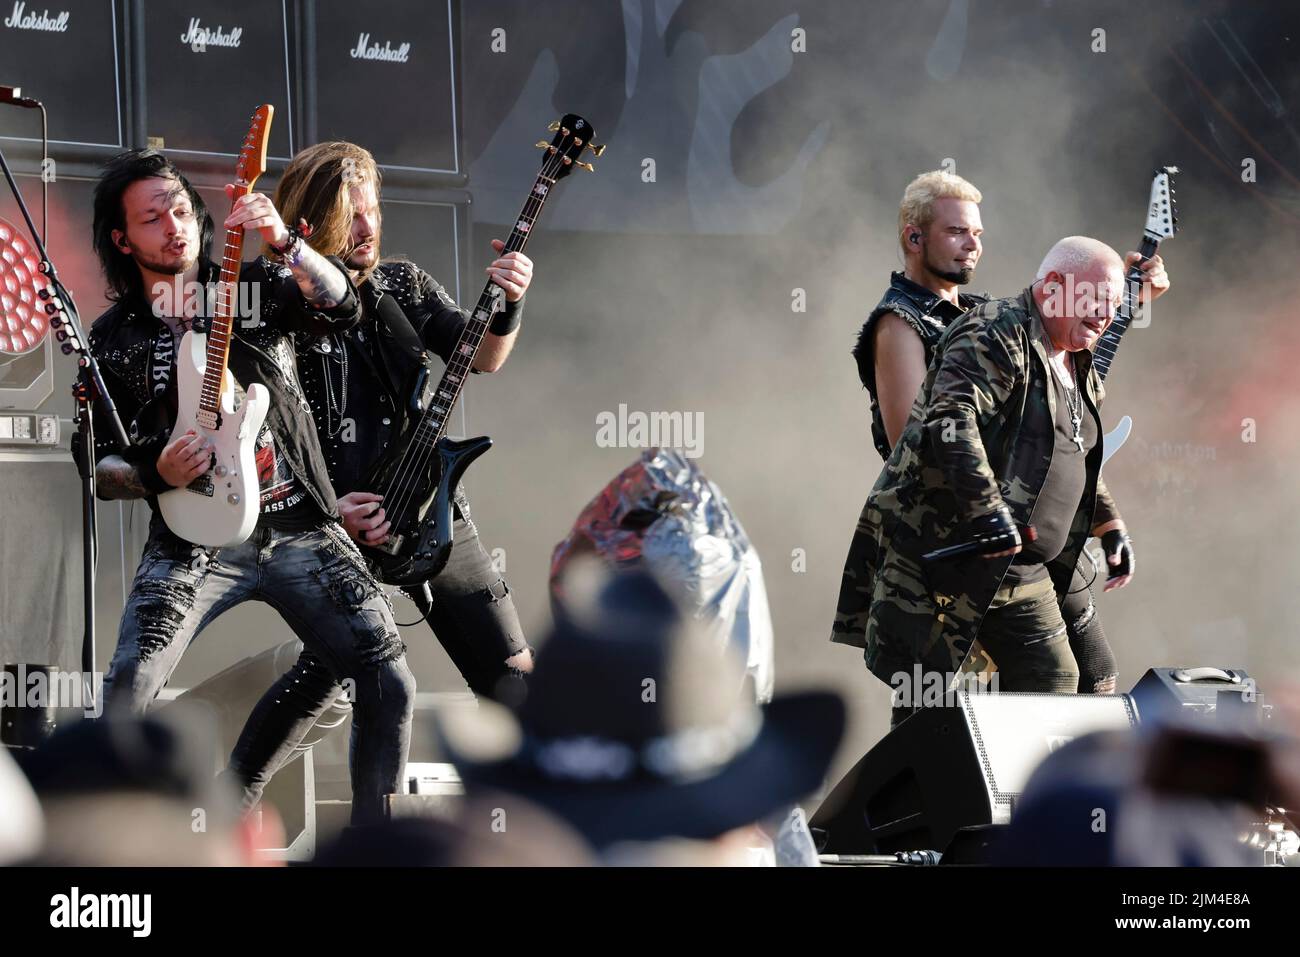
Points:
(290, 251)
(151, 478)
(147, 467)
(143, 456)
(507, 320)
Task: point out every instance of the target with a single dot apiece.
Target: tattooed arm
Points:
(183, 459)
(115, 478)
(321, 298)
(323, 285)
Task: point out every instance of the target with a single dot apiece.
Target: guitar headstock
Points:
(252, 155)
(1162, 211)
(573, 137)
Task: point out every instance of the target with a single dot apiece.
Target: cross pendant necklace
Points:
(1074, 402)
(1073, 398)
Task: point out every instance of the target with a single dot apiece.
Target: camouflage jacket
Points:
(980, 434)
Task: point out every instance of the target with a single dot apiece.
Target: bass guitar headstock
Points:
(573, 137)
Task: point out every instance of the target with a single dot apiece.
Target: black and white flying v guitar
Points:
(1162, 222)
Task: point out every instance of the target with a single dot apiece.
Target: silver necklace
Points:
(1074, 403)
(335, 407)
(1073, 400)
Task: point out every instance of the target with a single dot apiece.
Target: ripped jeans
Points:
(473, 617)
(1025, 634)
(1089, 650)
(319, 584)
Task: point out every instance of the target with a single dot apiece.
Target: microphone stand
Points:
(89, 388)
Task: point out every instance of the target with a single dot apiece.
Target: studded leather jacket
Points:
(359, 382)
(123, 339)
(928, 315)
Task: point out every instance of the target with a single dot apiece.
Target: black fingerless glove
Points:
(1117, 542)
(995, 532)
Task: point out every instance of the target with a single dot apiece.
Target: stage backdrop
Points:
(719, 262)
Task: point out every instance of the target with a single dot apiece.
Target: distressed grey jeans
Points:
(319, 584)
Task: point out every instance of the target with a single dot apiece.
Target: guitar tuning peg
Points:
(587, 166)
(597, 151)
(542, 144)
(554, 126)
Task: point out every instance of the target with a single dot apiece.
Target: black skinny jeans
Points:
(472, 615)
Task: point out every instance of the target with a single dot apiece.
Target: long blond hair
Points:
(316, 186)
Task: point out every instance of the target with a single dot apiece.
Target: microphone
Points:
(14, 96)
(980, 546)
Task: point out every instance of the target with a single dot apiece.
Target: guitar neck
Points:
(434, 423)
(1108, 344)
(222, 324)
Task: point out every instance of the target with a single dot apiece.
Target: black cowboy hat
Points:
(633, 730)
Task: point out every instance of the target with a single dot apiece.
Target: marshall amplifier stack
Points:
(184, 76)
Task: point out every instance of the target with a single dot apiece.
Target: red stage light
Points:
(23, 322)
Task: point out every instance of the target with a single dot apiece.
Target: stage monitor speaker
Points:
(947, 768)
(1192, 692)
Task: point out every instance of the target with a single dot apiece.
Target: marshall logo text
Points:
(199, 37)
(365, 50)
(37, 21)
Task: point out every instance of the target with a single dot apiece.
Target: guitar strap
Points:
(395, 319)
(399, 326)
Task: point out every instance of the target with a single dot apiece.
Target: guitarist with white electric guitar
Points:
(225, 451)
(940, 235)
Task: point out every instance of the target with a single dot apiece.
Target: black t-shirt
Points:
(1066, 480)
(285, 505)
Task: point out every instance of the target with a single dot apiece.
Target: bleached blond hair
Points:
(917, 206)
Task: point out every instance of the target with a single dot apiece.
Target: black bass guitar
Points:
(418, 473)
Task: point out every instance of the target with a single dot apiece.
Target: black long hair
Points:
(124, 280)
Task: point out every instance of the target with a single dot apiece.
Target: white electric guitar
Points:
(1162, 222)
(221, 506)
